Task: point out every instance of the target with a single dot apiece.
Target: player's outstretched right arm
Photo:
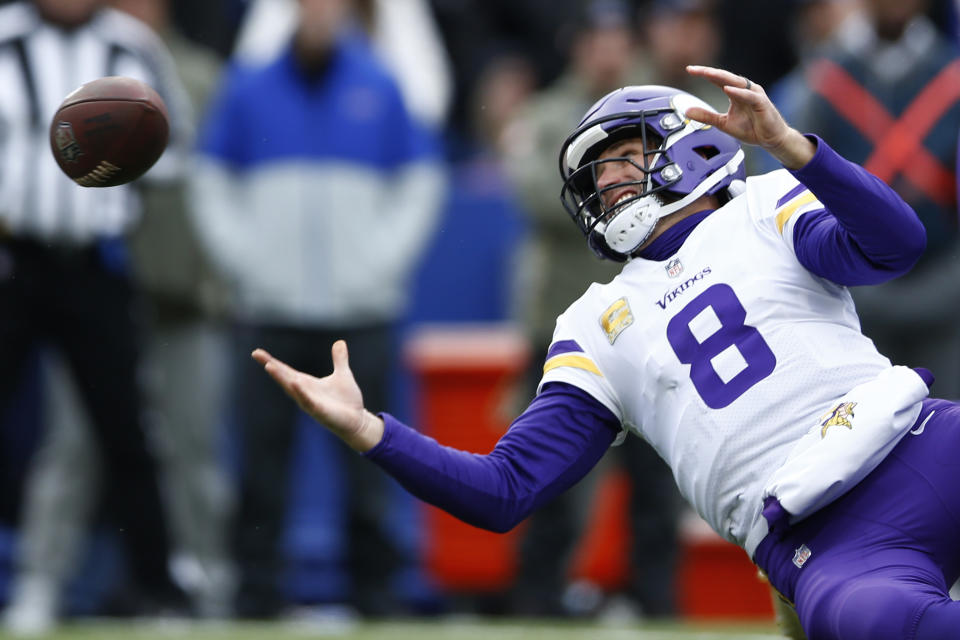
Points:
(552, 445)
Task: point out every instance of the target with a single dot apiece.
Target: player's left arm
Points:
(865, 233)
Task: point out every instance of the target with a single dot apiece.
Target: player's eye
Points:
(626, 159)
(631, 151)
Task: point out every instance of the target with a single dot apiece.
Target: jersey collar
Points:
(670, 241)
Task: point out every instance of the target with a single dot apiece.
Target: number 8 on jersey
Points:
(726, 356)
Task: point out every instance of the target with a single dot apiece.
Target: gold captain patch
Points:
(837, 416)
(616, 318)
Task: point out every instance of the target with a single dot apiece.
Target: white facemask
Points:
(632, 225)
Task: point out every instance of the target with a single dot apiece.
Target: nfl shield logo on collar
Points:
(674, 268)
(801, 556)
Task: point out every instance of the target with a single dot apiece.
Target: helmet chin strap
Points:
(630, 227)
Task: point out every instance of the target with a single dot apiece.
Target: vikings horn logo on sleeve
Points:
(837, 416)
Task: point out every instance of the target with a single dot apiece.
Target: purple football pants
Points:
(882, 557)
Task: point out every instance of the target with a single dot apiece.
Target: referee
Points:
(63, 267)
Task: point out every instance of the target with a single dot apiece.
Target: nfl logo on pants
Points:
(801, 556)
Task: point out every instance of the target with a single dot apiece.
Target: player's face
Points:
(623, 163)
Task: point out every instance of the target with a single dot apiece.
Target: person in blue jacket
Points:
(316, 193)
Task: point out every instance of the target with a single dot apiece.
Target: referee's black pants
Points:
(67, 299)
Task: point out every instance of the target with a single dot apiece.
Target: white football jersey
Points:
(723, 355)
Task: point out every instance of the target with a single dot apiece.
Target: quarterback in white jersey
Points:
(723, 354)
(730, 342)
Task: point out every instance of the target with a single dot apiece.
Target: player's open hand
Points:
(752, 118)
(335, 400)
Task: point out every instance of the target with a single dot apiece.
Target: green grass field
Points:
(447, 629)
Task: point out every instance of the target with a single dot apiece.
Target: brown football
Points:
(109, 131)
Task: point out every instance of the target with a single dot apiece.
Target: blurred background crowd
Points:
(363, 169)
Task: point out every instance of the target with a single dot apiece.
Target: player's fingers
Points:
(261, 355)
(284, 374)
(705, 116)
(278, 376)
(340, 355)
(299, 393)
(719, 77)
(746, 96)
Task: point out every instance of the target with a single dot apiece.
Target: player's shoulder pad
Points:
(585, 304)
(583, 343)
(597, 317)
(775, 199)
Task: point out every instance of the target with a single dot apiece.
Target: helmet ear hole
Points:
(707, 151)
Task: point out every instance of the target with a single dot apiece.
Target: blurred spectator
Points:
(64, 277)
(187, 349)
(213, 23)
(888, 97)
(502, 90)
(183, 362)
(677, 33)
(404, 35)
(603, 57)
(816, 24)
(756, 37)
(316, 192)
(477, 32)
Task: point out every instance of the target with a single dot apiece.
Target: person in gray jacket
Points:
(316, 192)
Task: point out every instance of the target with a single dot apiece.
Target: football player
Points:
(730, 342)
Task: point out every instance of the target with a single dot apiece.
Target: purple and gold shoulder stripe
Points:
(567, 353)
(793, 201)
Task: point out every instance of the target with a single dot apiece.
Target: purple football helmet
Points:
(683, 160)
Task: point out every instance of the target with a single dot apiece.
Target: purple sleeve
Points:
(552, 445)
(866, 234)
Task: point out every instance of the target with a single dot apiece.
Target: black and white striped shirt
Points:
(40, 64)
